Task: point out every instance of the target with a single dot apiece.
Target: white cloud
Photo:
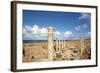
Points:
(26, 29)
(81, 27)
(85, 26)
(27, 37)
(35, 31)
(57, 34)
(78, 28)
(63, 35)
(68, 34)
(84, 16)
(43, 30)
(89, 33)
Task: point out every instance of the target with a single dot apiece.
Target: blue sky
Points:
(71, 25)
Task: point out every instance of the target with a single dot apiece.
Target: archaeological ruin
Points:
(57, 50)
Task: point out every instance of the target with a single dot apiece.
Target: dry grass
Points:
(38, 51)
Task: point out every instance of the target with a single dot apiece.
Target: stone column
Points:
(56, 44)
(59, 44)
(62, 43)
(82, 45)
(50, 43)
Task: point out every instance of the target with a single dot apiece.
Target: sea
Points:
(34, 41)
(38, 41)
